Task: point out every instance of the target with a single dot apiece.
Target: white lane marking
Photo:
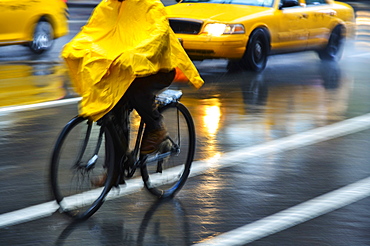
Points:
(295, 141)
(19, 108)
(293, 216)
(47, 209)
(360, 55)
(228, 159)
(28, 214)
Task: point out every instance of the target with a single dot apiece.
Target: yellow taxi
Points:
(246, 32)
(35, 23)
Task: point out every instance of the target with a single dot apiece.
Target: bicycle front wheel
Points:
(82, 154)
(165, 176)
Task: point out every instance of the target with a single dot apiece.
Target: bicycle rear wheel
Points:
(164, 177)
(83, 152)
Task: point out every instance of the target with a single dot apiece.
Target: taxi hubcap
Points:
(42, 38)
(258, 51)
(42, 42)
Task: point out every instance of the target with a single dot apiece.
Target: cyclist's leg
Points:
(117, 124)
(164, 174)
(141, 95)
(119, 117)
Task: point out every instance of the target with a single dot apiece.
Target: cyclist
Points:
(127, 48)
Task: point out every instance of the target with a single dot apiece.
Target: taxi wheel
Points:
(255, 57)
(42, 37)
(333, 50)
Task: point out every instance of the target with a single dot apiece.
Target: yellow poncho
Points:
(122, 41)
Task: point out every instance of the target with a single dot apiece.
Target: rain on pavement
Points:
(246, 182)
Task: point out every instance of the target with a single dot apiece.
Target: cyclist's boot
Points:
(152, 140)
(165, 146)
(99, 181)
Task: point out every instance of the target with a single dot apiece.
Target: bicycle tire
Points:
(70, 172)
(165, 177)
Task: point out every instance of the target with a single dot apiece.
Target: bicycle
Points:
(85, 150)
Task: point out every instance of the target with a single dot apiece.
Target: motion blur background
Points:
(234, 113)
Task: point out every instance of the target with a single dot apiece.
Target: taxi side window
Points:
(315, 2)
(289, 4)
(267, 2)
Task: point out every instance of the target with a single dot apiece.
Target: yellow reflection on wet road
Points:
(31, 83)
(298, 107)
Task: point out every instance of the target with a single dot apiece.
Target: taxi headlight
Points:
(217, 29)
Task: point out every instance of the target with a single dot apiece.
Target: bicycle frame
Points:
(126, 160)
(76, 170)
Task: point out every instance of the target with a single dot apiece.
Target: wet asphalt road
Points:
(236, 114)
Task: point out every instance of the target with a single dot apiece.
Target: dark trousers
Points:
(141, 96)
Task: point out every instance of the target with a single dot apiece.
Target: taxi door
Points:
(14, 15)
(293, 32)
(320, 14)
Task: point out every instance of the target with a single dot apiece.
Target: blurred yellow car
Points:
(246, 31)
(35, 23)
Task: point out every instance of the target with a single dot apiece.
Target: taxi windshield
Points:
(262, 3)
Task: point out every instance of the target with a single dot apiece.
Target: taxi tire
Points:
(334, 48)
(42, 37)
(255, 57)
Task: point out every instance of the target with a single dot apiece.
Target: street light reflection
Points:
(211, 117)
